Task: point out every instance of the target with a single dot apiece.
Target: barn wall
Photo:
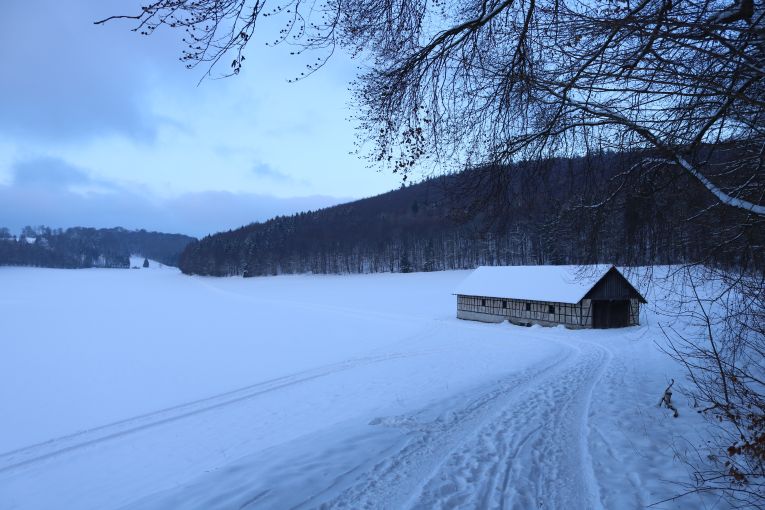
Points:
(634, 312)
(488, 309)
(586, 305)
(479, 316)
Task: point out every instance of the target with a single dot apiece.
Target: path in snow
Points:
(517, 442)
(521, 444)
(112, 465)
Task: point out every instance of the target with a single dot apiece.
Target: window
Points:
(483, 302)
(528, 307)
(551, 309)
(504, 304)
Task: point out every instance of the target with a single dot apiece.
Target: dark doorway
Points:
(610, 314)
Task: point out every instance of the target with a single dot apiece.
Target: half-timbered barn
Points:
(574, 296)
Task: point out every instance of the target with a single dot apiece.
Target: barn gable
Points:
(613, 286)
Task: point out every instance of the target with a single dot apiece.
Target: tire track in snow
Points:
(520, 443)
(21, 457)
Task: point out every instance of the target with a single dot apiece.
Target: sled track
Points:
(519, 443)
(15, 459)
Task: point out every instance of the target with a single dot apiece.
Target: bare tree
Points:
(498, 80)
(723, 356)
(679, 86)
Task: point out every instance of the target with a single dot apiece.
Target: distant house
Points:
(574, 296)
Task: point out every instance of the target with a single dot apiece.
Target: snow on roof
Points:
(560, 284)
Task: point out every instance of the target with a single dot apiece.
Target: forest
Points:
(539, 212)
(87, 247)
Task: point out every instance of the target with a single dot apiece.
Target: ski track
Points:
(516, 443)
(520, 443)
(22, 457)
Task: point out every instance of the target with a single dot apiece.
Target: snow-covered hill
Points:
(149, 389)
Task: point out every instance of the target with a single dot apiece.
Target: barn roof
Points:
(560, 284)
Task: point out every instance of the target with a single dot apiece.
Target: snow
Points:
(560, 284)
(136, 261)
(151, 389)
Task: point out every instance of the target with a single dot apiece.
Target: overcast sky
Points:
(102, 127)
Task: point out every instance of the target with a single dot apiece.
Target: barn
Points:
(574, 296)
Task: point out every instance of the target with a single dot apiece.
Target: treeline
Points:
(530, 213)
(87, 247)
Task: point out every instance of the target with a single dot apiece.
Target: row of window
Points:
(574, 314)
(550, 308)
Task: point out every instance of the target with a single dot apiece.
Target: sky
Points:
(103, 127)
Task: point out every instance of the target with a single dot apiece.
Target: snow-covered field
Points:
(149, 389)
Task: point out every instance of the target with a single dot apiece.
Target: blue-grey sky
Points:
(103, 127)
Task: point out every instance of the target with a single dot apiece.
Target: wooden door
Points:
(610, 314)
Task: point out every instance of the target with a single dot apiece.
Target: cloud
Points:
(49, 191)
(214, 211)
(71, 79)
(47, 172)
(124, 108)
(57, 174)
(267, 172)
